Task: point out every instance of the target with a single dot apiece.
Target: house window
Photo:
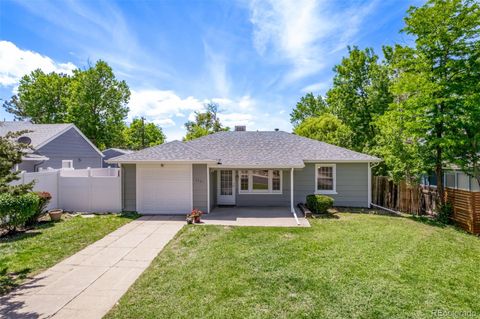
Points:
(325, 179)
(244, 181)
(67, 164)
(276, 181)
(260, 181)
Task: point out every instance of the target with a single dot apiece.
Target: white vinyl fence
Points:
(79, 190)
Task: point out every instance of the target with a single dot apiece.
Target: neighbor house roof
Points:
(119, 150)
(249, 149)
(40, 134)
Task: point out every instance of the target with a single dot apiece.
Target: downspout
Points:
(292, 206)
(369, 183)
(36, 165)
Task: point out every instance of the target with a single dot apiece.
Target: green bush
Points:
(444, 213)
(43, 200)
(319, 204)
(15, 210)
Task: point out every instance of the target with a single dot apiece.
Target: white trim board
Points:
(334, 176)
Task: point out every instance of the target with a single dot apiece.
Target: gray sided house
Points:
(111, 153)
(55, 146)
(242, 168)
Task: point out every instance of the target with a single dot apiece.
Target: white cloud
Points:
(217, 68)
(303, 32)
(316, 87)
(232, 119)
(159, 105)
(15, 63)
(169, 110)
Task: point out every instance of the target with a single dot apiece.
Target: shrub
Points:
(15, 210)
(319, 204)
(44, 199)
(444, 213)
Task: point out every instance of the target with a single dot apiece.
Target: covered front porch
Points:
(254, 216)
(246, 187)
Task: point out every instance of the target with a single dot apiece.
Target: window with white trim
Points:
(325, 179)
(260, 181)
(67, 164)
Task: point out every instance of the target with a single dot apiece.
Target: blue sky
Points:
(255, 58)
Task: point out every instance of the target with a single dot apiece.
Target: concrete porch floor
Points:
(254, 216)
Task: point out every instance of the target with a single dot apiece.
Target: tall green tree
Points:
(11, 153)
(93, 99)
(326, 128)
(41, 98)
(205, 123)
(432, 78)
(360, 93)
(139, 135)
(463, 79)
(97, 104)
(308, 106)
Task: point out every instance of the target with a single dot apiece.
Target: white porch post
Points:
(292, 208)
(208, 189)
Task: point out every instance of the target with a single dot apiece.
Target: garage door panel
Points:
(164, 190)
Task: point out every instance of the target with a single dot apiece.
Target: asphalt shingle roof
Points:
(39, 134)
(172, 151)
(249, 148)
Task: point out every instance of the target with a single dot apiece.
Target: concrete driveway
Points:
(89, 283)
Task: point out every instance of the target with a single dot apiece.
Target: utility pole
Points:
(143, 132)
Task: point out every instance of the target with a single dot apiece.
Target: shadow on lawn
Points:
(428, 221)
(326, 216)
(10, 280)
(32, 231)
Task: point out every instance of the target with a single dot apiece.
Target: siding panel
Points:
(213, 189)
(70, 146)
(129, 187)
(200, 193)
(352, 184)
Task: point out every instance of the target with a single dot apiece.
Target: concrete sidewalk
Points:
(89, 283)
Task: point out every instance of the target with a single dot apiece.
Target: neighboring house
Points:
(242, 168)
(453, 177)
(111, 153)
(55, 146)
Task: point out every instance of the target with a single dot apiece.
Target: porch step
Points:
(304, 209)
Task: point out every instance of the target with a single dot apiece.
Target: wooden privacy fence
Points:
(418, 199)
(403, 197)
(466, 208)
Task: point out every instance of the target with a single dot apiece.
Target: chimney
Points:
(240, 128)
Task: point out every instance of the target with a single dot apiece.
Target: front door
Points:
(226, 187)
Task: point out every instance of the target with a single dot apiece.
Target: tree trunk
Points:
(439, 174)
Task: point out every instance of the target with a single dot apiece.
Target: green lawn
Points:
(28, 253)
(357, 266)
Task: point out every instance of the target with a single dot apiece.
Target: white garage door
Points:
(164, 190)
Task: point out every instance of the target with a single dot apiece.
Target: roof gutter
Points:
(158, 162)
(344, 161)
(258, 166)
